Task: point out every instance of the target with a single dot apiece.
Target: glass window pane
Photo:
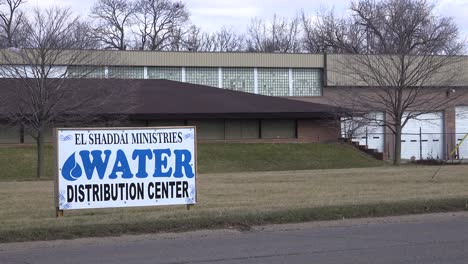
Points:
(280, 128)
(208, 129)
(239, 79)
(242, 129)
(168, 73)
(97, 72)
(307, 82)
(202, 76)
(126, 72)
(273, 81)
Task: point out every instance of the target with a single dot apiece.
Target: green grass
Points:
(18, 163)
(278, 157)
(243, 199)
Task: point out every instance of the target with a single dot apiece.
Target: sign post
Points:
(125, 167)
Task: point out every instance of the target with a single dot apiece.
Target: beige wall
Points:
(191, 59)
(350, 70)
(337, 65)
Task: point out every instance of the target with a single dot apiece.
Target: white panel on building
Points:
(16, 71)
(461, 129)
(366, 131)
(428, 145)
(57, 71)
(26, 71)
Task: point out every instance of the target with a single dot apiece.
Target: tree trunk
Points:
(40, 167)
(397, 154)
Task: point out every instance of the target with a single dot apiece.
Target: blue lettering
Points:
(97, 164)
(160, 163)
(121, 165)
(142, 154)
(178, 165)
(183, 158)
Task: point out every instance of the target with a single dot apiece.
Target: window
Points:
(239, 79)
(273, 81)
(97, 72)
(281, 128)
(242, 129)
(208, 129)
(168, 73)
(307, 82)
(126, 72)
(202, 76)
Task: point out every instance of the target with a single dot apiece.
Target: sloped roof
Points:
(162, 99)
(177, 99)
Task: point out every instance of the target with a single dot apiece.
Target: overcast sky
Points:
(212, 14)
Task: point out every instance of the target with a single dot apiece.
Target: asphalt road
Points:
(434, 238)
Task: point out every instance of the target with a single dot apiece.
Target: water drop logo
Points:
(71, 171)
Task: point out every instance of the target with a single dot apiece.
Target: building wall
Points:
(224, 130)
(315, 78)
(455, 96)
(335, 66)
(278, 129)
(272, 81)
(9, 135)
(318, 131)
(241, 129)
(341, 70)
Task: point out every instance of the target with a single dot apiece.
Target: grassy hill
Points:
(18, 163)
(277, 157)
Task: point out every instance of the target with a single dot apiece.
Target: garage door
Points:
(461, 128)
(432, 144)
(356, 129)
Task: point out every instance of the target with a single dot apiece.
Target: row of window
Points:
(269, 81)
(206, 129)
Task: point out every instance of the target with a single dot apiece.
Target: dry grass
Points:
(27, 208)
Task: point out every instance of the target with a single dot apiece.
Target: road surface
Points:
(433, 238)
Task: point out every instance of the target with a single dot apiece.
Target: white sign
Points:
(124, 167)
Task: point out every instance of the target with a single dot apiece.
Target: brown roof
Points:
(177, 99)
(162, 99)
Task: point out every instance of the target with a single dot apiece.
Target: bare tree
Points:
(227, 40)
(193, 39)
(159, 23)
(113, 21)
(328, 33)
(224, 40)
(278, 35)
(177, 38)
(39, 92)
(398, 71)
(11, 22)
